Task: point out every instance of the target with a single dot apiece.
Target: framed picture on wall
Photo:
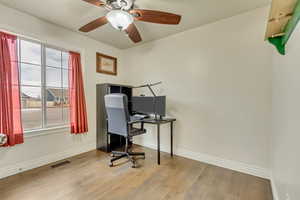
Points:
(106, 64)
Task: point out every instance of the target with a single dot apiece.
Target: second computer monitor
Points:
(149, 105)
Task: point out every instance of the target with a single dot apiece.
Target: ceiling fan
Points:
(122, 14)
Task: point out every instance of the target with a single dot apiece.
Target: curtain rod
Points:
(19, 35)
(35, 40)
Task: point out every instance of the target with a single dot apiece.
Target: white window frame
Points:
(44, 129)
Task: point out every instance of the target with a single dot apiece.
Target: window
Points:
(44, 85)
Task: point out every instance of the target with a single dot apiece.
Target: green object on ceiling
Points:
(280, 41)
(277, 42)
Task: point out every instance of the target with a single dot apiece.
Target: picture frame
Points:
(106, 64)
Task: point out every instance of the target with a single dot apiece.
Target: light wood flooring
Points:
(88, 177)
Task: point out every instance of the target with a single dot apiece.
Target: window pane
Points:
(66, 114)
(56, 82)
(66, 110)
(32, 118)
(53, 57)
(65, 78)
(65, 97)
(30, 74)
(65, 60)
(30, 52)
(31, 93)
(54, 113)
(31, 107)
(53, 77)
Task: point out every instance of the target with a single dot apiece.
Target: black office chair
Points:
(121, 123)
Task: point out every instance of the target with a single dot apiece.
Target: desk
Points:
(158, 122)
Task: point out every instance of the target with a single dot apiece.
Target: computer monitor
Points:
(149, 105)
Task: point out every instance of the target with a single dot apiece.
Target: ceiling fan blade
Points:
(94, 24)
(156, 16)
(133, 33)
(95, 2)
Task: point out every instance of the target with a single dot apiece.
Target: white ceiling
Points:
(73, 14)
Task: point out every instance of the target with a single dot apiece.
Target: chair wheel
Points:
(134, 166)
(111, 164)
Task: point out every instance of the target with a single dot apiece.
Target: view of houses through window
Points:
(44, 85)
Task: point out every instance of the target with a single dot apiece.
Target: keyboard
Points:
(139, 116)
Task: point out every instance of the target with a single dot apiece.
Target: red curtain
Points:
(10, 107)
(78, 115)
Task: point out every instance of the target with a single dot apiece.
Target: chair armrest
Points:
(130, 123)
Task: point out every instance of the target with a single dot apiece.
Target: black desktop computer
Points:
(149, 105)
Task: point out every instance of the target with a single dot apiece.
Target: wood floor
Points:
(88, 177)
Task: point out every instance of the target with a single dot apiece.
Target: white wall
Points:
(40, 150)
(285, 136)
(218, 85)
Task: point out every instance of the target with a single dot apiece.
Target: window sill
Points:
(46, 131)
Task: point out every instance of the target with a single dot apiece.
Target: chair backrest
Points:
(117, 113)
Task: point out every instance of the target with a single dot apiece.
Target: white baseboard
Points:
(220, 162)
(31, 164)
(274, 189)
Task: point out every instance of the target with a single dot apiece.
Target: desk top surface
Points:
(158, 121)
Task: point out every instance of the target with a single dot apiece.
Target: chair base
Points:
(130, 155)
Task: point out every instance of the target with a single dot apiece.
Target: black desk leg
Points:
(171, 139)
(158, 144)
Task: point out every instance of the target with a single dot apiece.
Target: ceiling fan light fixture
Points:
(119, 19)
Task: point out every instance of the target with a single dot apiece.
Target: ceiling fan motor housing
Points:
(120, 4)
